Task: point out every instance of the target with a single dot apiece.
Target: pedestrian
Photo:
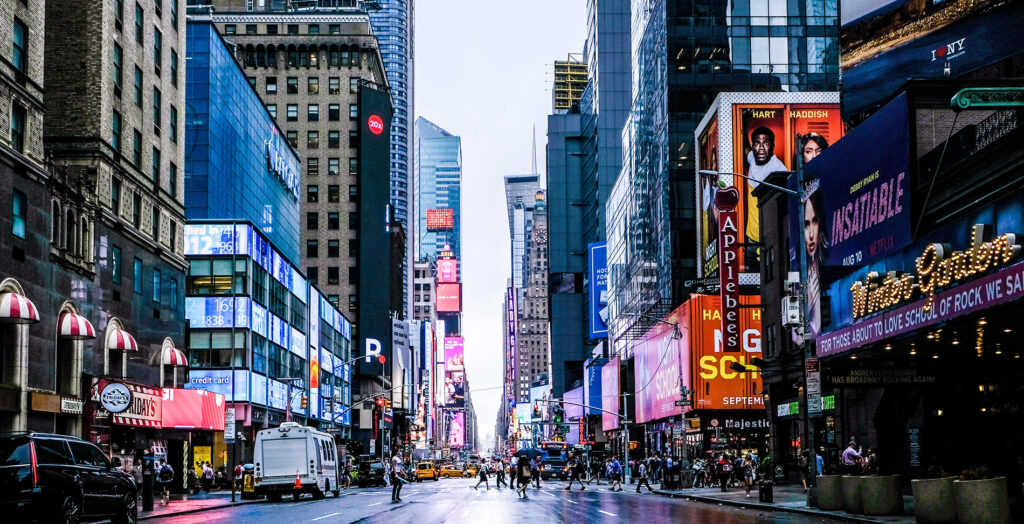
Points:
(852, 459)
(513, 471)
(483, 477)
(499, 479)
(595, 471)
(523, 474)
(346, 481)
(165, 476)
(871, 463)
(724, 468)
(574, 474)
(616, 474)
(820, 463)
(387, 471)
(642, 478)
(802, 464)
(535, 466)
(749, 471)
(397, 472)
(239, 472)
(208, 475)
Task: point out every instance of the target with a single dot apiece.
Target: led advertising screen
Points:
(448, 298)
(217, 312)
(755, 134)
(457, 430)
(592, 384)
(610, 395)
(440, 220)
(447, 270)
(574, 416)
(715, 385)
(216, 239)
(192, 408)
(656, 368)
(219, 381)
(454, 372)
(597, 261)
(885, 43)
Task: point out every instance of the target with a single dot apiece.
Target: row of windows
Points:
(333, 193)
(333, 220)
(137, 278)
(218, 277)
(155, 219)
(312, 85)
(333, 168)
(333, 142)
(302, 56)
(313, 115)
(291, 29)
(140, 39)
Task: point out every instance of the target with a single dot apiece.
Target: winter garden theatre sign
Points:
(936, 268)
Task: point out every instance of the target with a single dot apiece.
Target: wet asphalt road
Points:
(455, 500)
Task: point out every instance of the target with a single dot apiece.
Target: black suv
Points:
(371, 474)
(57, 478)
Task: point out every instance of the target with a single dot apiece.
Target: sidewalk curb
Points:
(197, 510)
(768, 507)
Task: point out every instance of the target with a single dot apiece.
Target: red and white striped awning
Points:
(76, 327)
(121, 340)
(173, 357)
(17, 309)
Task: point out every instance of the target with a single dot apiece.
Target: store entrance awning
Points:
(173, 357)
(17, 309)
(76, 327)
(120, 339)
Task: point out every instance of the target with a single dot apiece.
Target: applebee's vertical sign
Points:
(729, 267)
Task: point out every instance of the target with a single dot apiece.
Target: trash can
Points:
(248, 482)
(766, 491)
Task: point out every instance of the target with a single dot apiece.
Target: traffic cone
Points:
(298, 483)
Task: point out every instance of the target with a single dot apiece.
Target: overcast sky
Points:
(483, 72)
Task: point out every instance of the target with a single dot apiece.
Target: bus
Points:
(554, 457)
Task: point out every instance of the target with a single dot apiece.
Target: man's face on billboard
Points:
(763, 147)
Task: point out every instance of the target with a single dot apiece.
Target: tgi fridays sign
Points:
(128, 404)
(726, 200)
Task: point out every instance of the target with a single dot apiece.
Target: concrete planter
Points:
(934, 500)
(982, 501)
(881, 495)
(830, 492)
(852, 502)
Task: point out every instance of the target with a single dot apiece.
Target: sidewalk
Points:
(787, 498)
(200, 502)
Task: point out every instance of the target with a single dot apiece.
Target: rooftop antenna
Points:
(533, 163)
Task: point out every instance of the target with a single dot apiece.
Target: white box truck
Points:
(293, 459)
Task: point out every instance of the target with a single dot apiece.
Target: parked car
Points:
(425, 471)
(371, 473)
(57, 478)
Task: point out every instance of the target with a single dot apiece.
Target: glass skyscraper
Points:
(683, 54)
(438, 176)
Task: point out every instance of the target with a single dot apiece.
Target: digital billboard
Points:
(574, 416)
(597, 262)
(440, 220)
(447, 270)
(886, 43)
(457, 430)
(592, 384)
(658, 367)
(192, 408)
(755, 134)
(219, 381)
(610, 395)
(714, 384)
(448, 298)
(454, 372)
(217, 312)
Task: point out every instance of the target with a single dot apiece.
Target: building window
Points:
(353, 193)
(334, 112)
(156, 166)
(172, 235)
(333, 193)
(271, 85)
(157, 48)
(353, 85)
(334, 29)
(312, 194)
(313, 29)
(118, 14)
(352, 303)
(156, 285)
(313, 112)
(333, 248)
(18, 211)
(311, 274)
(353, 275)
(250, 29)
(156, 110)
(174, 14)
(312, 220)
(312, 166)
(312, 248)
(174, 68)
(19, 54)
(293, 138)
(333, 139)
(353, 166)
(346, 58)
(155, 225)
(137, 277)
(136, 148)
(353, 139)
(333, 275)
(172, 182)
(19, 120)
(174, 124)
(293, 29)
(271, 29)
(293, 112)
(137, 211)
(118, 69)
(353, 111)
(272, 109)
(173, 290)
(334, 166)
(115, 264)
(313, 85)
(230, 29)
(312, 139)
(293, 85)
(334, 85)
(115, 196)
(138, 87)
(353, 246)
(353, 220)
(333, 221)
(139, 28)
(157, 8)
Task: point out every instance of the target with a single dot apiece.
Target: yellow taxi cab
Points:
(472, 470)
(425, 471)
(451, 470)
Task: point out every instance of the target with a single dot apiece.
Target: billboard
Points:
(448, 298)
(884, 44)
(658, 367)
(755, 134)
(454, 372)
(440, 220)
(597, 262)
(574, 416)
(457, 430)
(448, 270)
(592, 384)
(610, 395)
(714, 384)
(217, 312)
(192, 409)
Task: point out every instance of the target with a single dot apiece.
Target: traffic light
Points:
(305, 401)
(381, 359)
(380, 402)
(536, 410)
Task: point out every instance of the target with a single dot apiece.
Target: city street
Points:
(455, 501)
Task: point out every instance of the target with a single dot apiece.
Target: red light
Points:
(35, 463)
(381, 359)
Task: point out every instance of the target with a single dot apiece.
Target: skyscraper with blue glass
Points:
(438, 177)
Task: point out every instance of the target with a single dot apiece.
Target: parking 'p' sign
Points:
(375, 124)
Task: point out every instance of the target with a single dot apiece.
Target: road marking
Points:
(327, 516)
(572, 501)
(381, 502)
(606, 513)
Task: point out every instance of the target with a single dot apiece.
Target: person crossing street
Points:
(397, 472)
(642, 478)
(499, 478)
(574, 473)
(483, 478)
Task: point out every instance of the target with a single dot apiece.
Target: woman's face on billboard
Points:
(811, 149)
(811, 225)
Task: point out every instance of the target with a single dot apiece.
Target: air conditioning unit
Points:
(791, 311)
